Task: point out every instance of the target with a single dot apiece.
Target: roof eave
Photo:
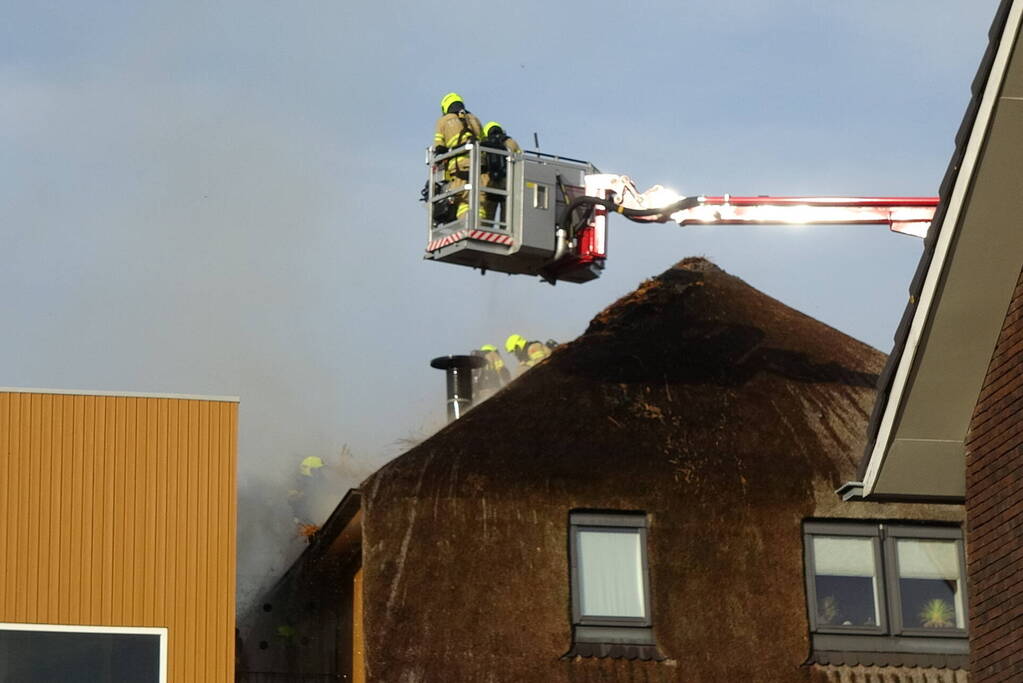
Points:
(891, 402)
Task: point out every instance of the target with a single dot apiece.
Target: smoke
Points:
(270, 535)
(193, 240)
(188, 245)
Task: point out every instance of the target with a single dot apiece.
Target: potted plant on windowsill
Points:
(937, 613)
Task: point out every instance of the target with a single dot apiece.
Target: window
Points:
(847, 593)
(610, 585)
(539, 196)
(927, 573)
(885, 587)
(41, 653)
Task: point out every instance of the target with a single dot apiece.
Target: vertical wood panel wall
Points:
(120, 511)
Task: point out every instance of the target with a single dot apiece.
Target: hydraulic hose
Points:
(660, 214)
(566, 213)
(663, 212)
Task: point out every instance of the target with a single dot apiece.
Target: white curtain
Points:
(611, 573)
(843, 556)
(847, 556)
(928, 559)
(935, 560)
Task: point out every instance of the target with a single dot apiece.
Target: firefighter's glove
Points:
(439, 149)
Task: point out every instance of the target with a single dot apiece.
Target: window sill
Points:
(614, 642)
(865, 650)
(646, 653)
(906, 659)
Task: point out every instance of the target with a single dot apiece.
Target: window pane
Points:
(929, 584)
(611, 573)
(47, 656)
(845, 578)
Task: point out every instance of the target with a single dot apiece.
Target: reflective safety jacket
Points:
(536, 351)
(511, 145)
(494, 374)
(454, 130)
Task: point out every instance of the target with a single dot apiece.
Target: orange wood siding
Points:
(120, 511)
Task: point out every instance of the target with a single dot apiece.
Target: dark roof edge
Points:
(345, 511)
(915, 316)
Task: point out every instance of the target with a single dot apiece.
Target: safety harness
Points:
(467, 135)
(495, 164)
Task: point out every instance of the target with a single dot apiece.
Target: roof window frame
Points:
(608, 629)
(895, 637)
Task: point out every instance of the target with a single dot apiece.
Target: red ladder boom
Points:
(907, 215)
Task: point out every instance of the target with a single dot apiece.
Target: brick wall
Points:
(994, 509)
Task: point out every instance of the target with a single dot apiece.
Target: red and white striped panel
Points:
(482, 235)
(486, 236)
(445, 241)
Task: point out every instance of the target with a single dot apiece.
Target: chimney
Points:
(459, 375)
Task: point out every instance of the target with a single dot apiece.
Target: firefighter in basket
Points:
(495, 167)
(456, 126)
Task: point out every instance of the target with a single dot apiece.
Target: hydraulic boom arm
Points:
(907, 215)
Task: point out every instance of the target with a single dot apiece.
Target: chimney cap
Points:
(457, 362)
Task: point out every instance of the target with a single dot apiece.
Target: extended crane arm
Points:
(907, 215)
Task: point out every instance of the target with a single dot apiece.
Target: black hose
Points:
(584, 218)
(660, 214)
(663, 212)
(566, 213)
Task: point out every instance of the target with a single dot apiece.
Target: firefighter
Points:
(308, 466)
(491, 376)
(302, 497)
(455, 127)
(496, 166)
(288, 635)
(528, 353)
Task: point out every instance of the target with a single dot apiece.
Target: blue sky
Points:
(221, 199)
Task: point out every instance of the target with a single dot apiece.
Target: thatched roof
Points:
(675, 366)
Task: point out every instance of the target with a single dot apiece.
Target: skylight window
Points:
(610, 582)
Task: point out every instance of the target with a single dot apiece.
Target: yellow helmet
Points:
(448, 100)
(515, 341)
(488, 347)
(309, 464)
(490, 125)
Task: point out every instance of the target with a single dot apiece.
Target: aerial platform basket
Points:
(511, 226)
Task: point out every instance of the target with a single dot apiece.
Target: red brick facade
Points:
(994, 509)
